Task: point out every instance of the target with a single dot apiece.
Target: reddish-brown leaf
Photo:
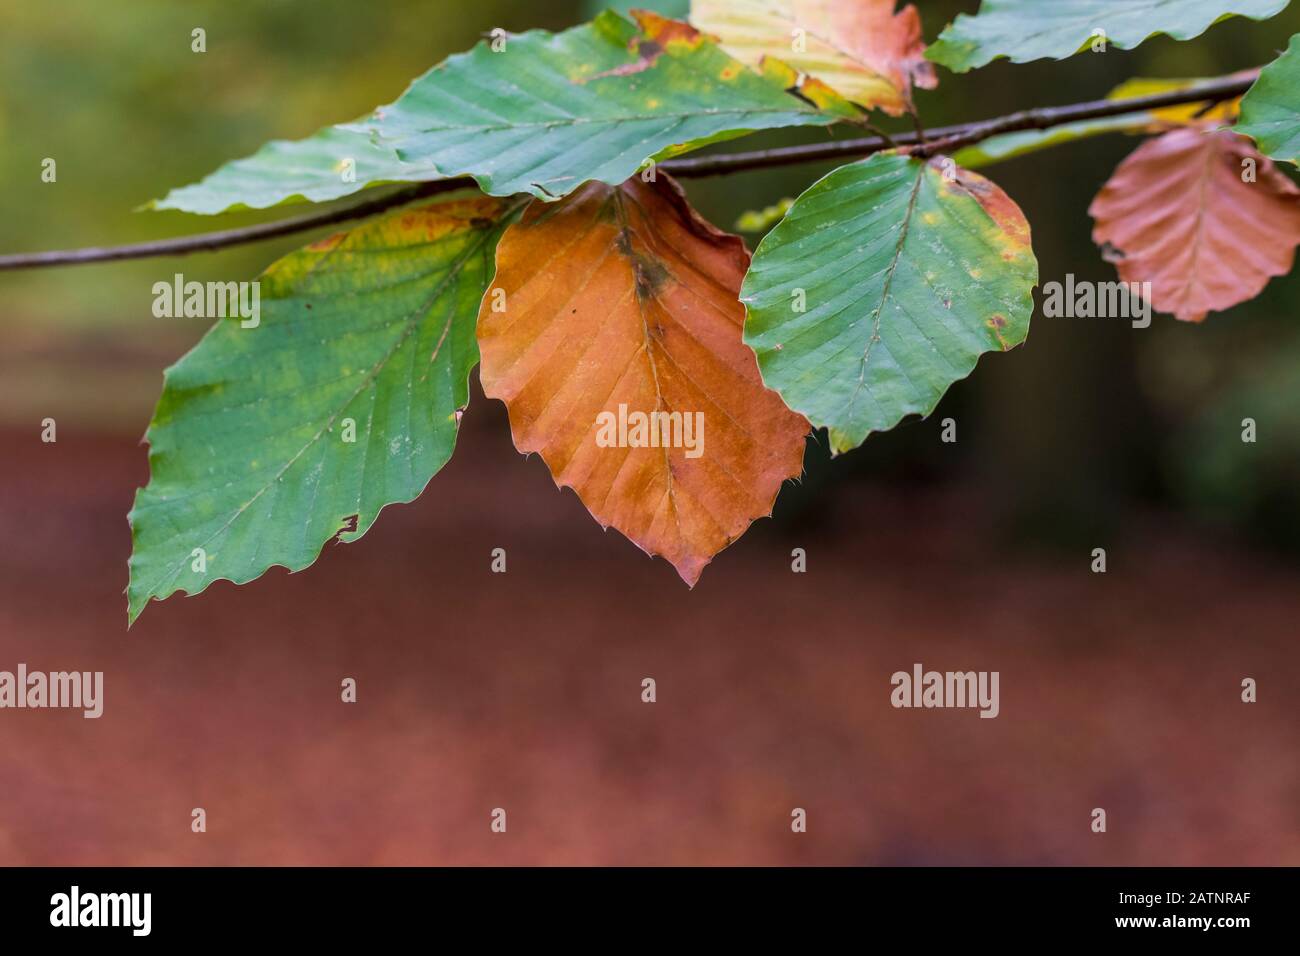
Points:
(1177, 213)
(623, 296)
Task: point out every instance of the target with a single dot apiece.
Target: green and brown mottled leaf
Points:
(547, 113)
(882, 286)
(553, 111)
(268, 441)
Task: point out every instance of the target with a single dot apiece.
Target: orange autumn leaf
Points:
(618, 306)
(1202, 216)
(862, 49)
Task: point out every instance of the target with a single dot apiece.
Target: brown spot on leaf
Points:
(328, 243)
(648, 52)
(657, 33)
(997, 322)
(651, 276)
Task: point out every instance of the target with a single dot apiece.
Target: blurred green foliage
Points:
(1067, 434)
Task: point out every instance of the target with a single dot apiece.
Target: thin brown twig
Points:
(944, 139)
(917, 125)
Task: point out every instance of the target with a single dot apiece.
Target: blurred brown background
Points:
(522, 691)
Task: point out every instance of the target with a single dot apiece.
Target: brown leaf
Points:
(623, 296)
(863, 49)
(1178, 214)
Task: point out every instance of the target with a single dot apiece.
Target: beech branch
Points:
(943, 139)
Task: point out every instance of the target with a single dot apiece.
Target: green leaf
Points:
(315, 169)
(882, 286)
(1270, 111)
(371, 330)
(560, 109)
(552, 111)
(1026, 30)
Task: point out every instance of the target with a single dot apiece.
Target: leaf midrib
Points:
(904, 230)
(795, 107)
